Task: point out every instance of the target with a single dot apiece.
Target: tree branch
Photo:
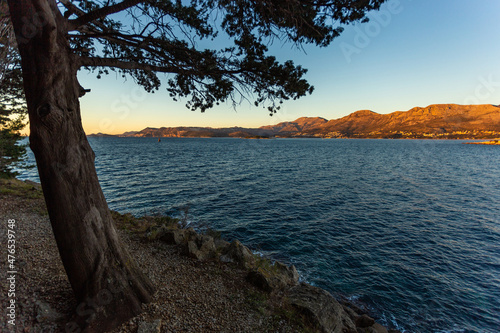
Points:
(102, 12)
(117, 63)
(72, 8)
(133, 65)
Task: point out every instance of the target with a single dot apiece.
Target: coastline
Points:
(205, 284)
(488, 143)
(478, 140)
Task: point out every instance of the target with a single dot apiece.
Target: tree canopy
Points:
(162, 36)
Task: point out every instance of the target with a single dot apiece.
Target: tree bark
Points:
(106, 282)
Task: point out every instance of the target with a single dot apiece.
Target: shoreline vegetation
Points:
(204, 283)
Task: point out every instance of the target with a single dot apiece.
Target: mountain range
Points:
(434, 121)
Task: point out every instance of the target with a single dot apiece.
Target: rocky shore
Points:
(204, 283)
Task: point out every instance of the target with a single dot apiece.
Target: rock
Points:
(366, 330)
(44, 313)
(173, 236)
(192, 249)
(379, 328)
(190, 233)
(352, 314)
(152, 327)
(321, 308)
(221, 244)
(260, 280)
(289, 273)
(240, 254)
(194, 252)
(394, 331)
(277, 276)
(357, 310)
(364, 321)
(225, 258)
(201, 239)
(201, 248)
(208, 246)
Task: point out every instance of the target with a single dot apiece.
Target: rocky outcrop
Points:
(239, 253)
(321, 309)
(273, 276)
(325, 313)
(317, 306)
(202, 247)
(173, 236)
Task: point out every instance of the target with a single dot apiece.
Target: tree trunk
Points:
(107, 284)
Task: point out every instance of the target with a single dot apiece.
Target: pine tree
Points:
(142, 38)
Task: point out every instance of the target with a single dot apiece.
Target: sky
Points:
(411, 53)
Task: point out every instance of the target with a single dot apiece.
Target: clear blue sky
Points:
(415, 53)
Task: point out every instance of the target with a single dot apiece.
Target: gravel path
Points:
(191, 296)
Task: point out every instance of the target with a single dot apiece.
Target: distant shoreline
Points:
(488, 143)
(301, 137)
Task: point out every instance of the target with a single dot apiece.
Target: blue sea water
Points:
(410, 229)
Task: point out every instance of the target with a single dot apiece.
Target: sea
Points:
(409, 230)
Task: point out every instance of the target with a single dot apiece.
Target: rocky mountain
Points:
(199, 132)
(434, 121)
(302, 124)
(438, 121)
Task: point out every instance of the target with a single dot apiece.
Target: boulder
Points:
(201, 248)
(207, 246)
(276, 276)
(240, 254)
(190, 233)
(289, 274)
(260, 280)
(321, 309)
(192, 249)
(366, 330)
(352, 314)
(364, 321)
(203, 239)
(221, 244)
(173, 236)
(226, 259)
(379, 328)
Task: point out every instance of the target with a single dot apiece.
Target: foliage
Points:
(16, 187)
(143, 38)
(12, 101)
